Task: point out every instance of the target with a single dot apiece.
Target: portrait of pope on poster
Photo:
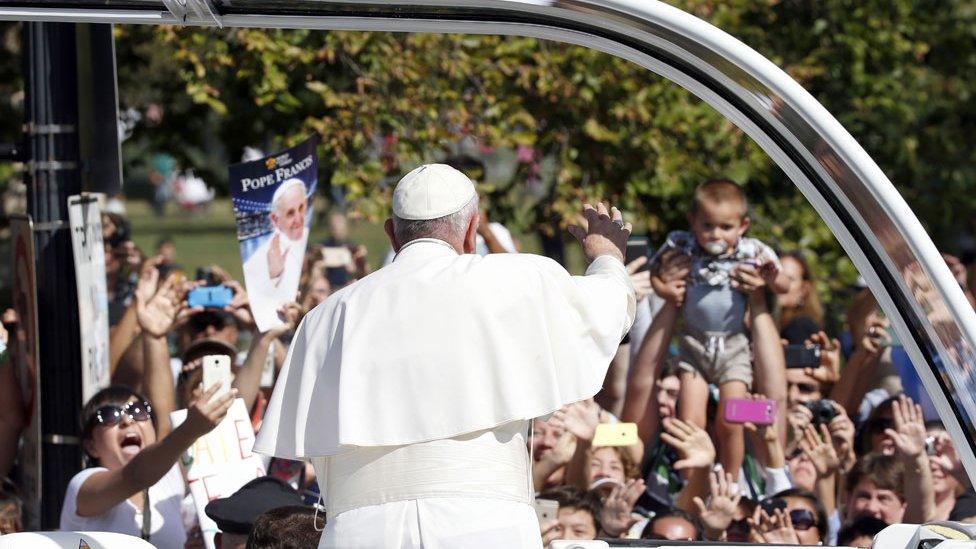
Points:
(273, 213)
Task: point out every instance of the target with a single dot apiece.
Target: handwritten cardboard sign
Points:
(218, 464)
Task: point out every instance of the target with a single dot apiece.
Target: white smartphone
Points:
(216, 370)
(546, 509)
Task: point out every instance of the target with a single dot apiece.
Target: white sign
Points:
(218, 464)
(85, 220)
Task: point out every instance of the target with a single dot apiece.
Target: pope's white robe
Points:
(266, 294)
(440, 346)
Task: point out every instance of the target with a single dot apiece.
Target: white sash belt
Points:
(486, 464)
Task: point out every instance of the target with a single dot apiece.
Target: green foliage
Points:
(11, 95)
(897, 74)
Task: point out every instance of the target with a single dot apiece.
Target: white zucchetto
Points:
(431, 191)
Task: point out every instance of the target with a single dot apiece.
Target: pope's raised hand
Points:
(601, 231)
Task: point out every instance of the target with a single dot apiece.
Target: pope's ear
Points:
(388, 227)
(471, 235)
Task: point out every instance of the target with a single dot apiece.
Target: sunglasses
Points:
(111, 414)
(802, 519)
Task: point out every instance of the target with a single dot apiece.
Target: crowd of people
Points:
(844, 453)
(841, 452)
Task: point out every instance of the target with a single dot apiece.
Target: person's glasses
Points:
(111, 414)
(802, 519)
(738, 530)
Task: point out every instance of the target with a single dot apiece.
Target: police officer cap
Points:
(237, 513)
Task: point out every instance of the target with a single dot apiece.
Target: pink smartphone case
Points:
(760, 412)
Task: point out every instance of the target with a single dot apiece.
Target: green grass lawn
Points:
(209, 237)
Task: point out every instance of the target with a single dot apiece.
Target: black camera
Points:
(823, 410)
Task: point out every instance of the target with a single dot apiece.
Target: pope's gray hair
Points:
(450, 227)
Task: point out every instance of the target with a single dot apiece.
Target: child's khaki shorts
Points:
(719, 357)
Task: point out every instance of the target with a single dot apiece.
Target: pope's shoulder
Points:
(519, 261)
(515, 263)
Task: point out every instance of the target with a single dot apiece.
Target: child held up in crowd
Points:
(723, 265)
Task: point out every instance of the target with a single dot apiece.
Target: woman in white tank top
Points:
(134, 469)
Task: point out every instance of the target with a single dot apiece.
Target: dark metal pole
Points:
(53, 174)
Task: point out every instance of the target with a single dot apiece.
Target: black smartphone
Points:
(638, 246)
(801, 356)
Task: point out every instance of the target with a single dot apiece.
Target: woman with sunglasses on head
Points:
(134, 470)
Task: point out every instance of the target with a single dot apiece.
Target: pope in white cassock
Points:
(274, 269)
(411, 391)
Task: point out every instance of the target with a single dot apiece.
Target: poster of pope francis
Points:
(273, 210)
